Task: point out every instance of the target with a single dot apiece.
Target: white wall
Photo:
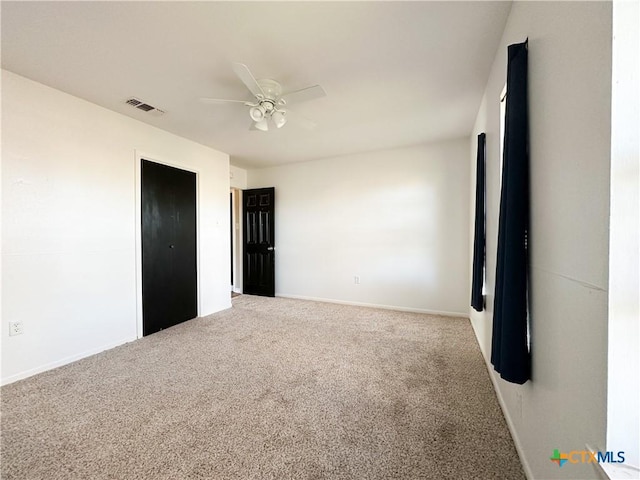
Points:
(69, 224)
(623, 403)
(238, 177)
(398, 219)
(564, 406)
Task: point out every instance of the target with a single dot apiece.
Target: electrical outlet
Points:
(356, 280)
(16, 328)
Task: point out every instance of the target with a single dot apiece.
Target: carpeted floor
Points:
(270, 389)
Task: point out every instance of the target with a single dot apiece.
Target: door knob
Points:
(172, 246)
(271, 249)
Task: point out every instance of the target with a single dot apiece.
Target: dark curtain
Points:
(509, 349)
(477, 299)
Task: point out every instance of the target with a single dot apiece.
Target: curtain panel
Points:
(477, 298)
(510, 354)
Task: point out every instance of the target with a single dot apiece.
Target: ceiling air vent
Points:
(145, 107)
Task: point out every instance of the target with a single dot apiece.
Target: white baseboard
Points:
(64, 361)
(375, 305)
(512, 429)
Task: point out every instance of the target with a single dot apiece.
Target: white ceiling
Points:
(395, 73)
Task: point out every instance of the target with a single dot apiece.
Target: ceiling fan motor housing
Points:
(272, 89)
(267, 105)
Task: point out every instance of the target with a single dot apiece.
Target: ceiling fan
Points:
(270, 102)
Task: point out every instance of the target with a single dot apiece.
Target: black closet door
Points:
(169, 275)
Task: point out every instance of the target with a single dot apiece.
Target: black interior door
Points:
(169, 269)
(259, 243)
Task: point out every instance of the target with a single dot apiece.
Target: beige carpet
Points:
(270, 389)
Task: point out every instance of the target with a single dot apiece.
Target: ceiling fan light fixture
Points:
(262, 125)
(279, 118)
(257, 113)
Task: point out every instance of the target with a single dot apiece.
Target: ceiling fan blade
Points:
(304, 94)
(301, 120)
(247, 78)
(218, 101)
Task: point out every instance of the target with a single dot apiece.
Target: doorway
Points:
(236, 241)
(169, 246)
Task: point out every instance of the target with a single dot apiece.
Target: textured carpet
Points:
(270, 389)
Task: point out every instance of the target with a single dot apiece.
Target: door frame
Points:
(138, 157)
(236, 243)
